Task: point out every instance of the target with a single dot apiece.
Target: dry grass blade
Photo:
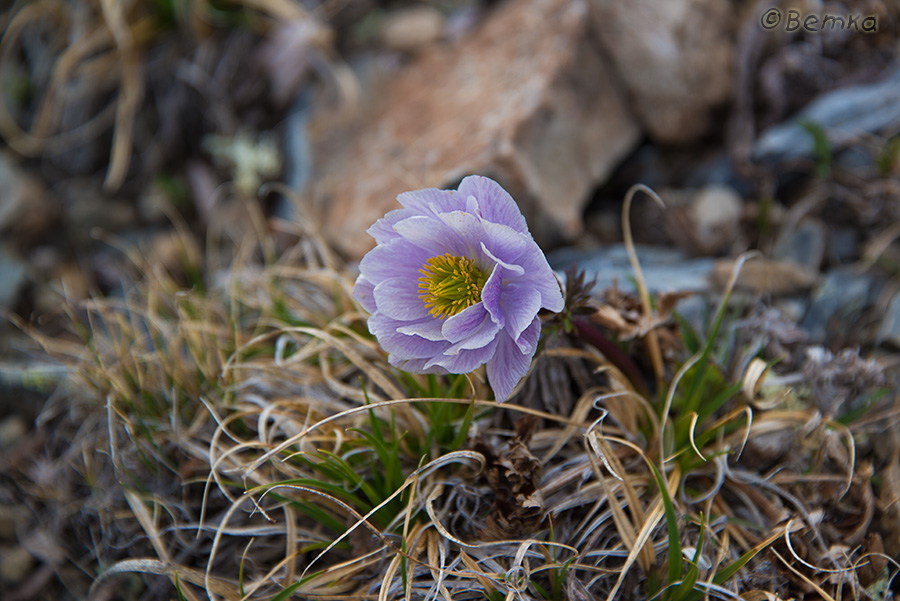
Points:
(486, 582)
(652, 339)
(635, 538)
(754, 377)
(130, 94)
(851, 450)
(670, 396)
(216, 586)
(642, 542)
(579, 414)
(338, 579)
(389, 573)
(880, 244)
(803, 577)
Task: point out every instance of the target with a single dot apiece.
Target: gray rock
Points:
(675, 57)
(838, 304)
(844, 114)
(12, 201)
(12, 279)
(717, 169)
(298, 160)
(843, 245)
(804, 245)
(889, 329)
(665, 269)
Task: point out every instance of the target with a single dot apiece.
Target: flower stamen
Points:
(450, 284)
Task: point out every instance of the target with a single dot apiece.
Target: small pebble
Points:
(838, 303)
(804, 245)
(889, 331)
(12, 429)
(412, 29)
(15, 564)
(717, 211)
(10, 516)
(843, 246)
(13, 275)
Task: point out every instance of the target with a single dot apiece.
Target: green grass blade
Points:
(321, 467)
(697, 386)
(675, 568)
(728, 571)
(541, 591)
(353, 478)
(688, 334)
(320, 516)
(178, 588)
(326, 487)
(685, 589)
(463, 433)
(287, 591)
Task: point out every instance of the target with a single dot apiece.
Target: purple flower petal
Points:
(464, 324)
(528, 340)
(494, 203)
(541, 278)
(364, 293)
(466, 360)
(468, 227)
(383, 229)
(505, 243)
(432, 201)
(482, 336)
(514, 270)
(401, 345)
(551, 295)
(490, 295)
(431, 234)
(509, 364)
(396, 259)
(428, 328)
(519, 304)
(398, 298)
(416, 366)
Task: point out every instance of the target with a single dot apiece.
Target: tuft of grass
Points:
(256, 444)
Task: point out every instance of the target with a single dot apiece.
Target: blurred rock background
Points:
(759, 127)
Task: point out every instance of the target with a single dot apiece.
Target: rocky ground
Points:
(150, 134)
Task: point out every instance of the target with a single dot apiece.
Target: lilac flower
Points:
(456, 281)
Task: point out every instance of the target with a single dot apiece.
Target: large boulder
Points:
(675, 57)
(526, 98)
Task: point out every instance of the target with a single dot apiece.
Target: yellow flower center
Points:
(450, 284)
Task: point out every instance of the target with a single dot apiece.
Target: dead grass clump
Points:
(245, 438)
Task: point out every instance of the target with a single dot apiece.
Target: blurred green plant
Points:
(822, 148)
